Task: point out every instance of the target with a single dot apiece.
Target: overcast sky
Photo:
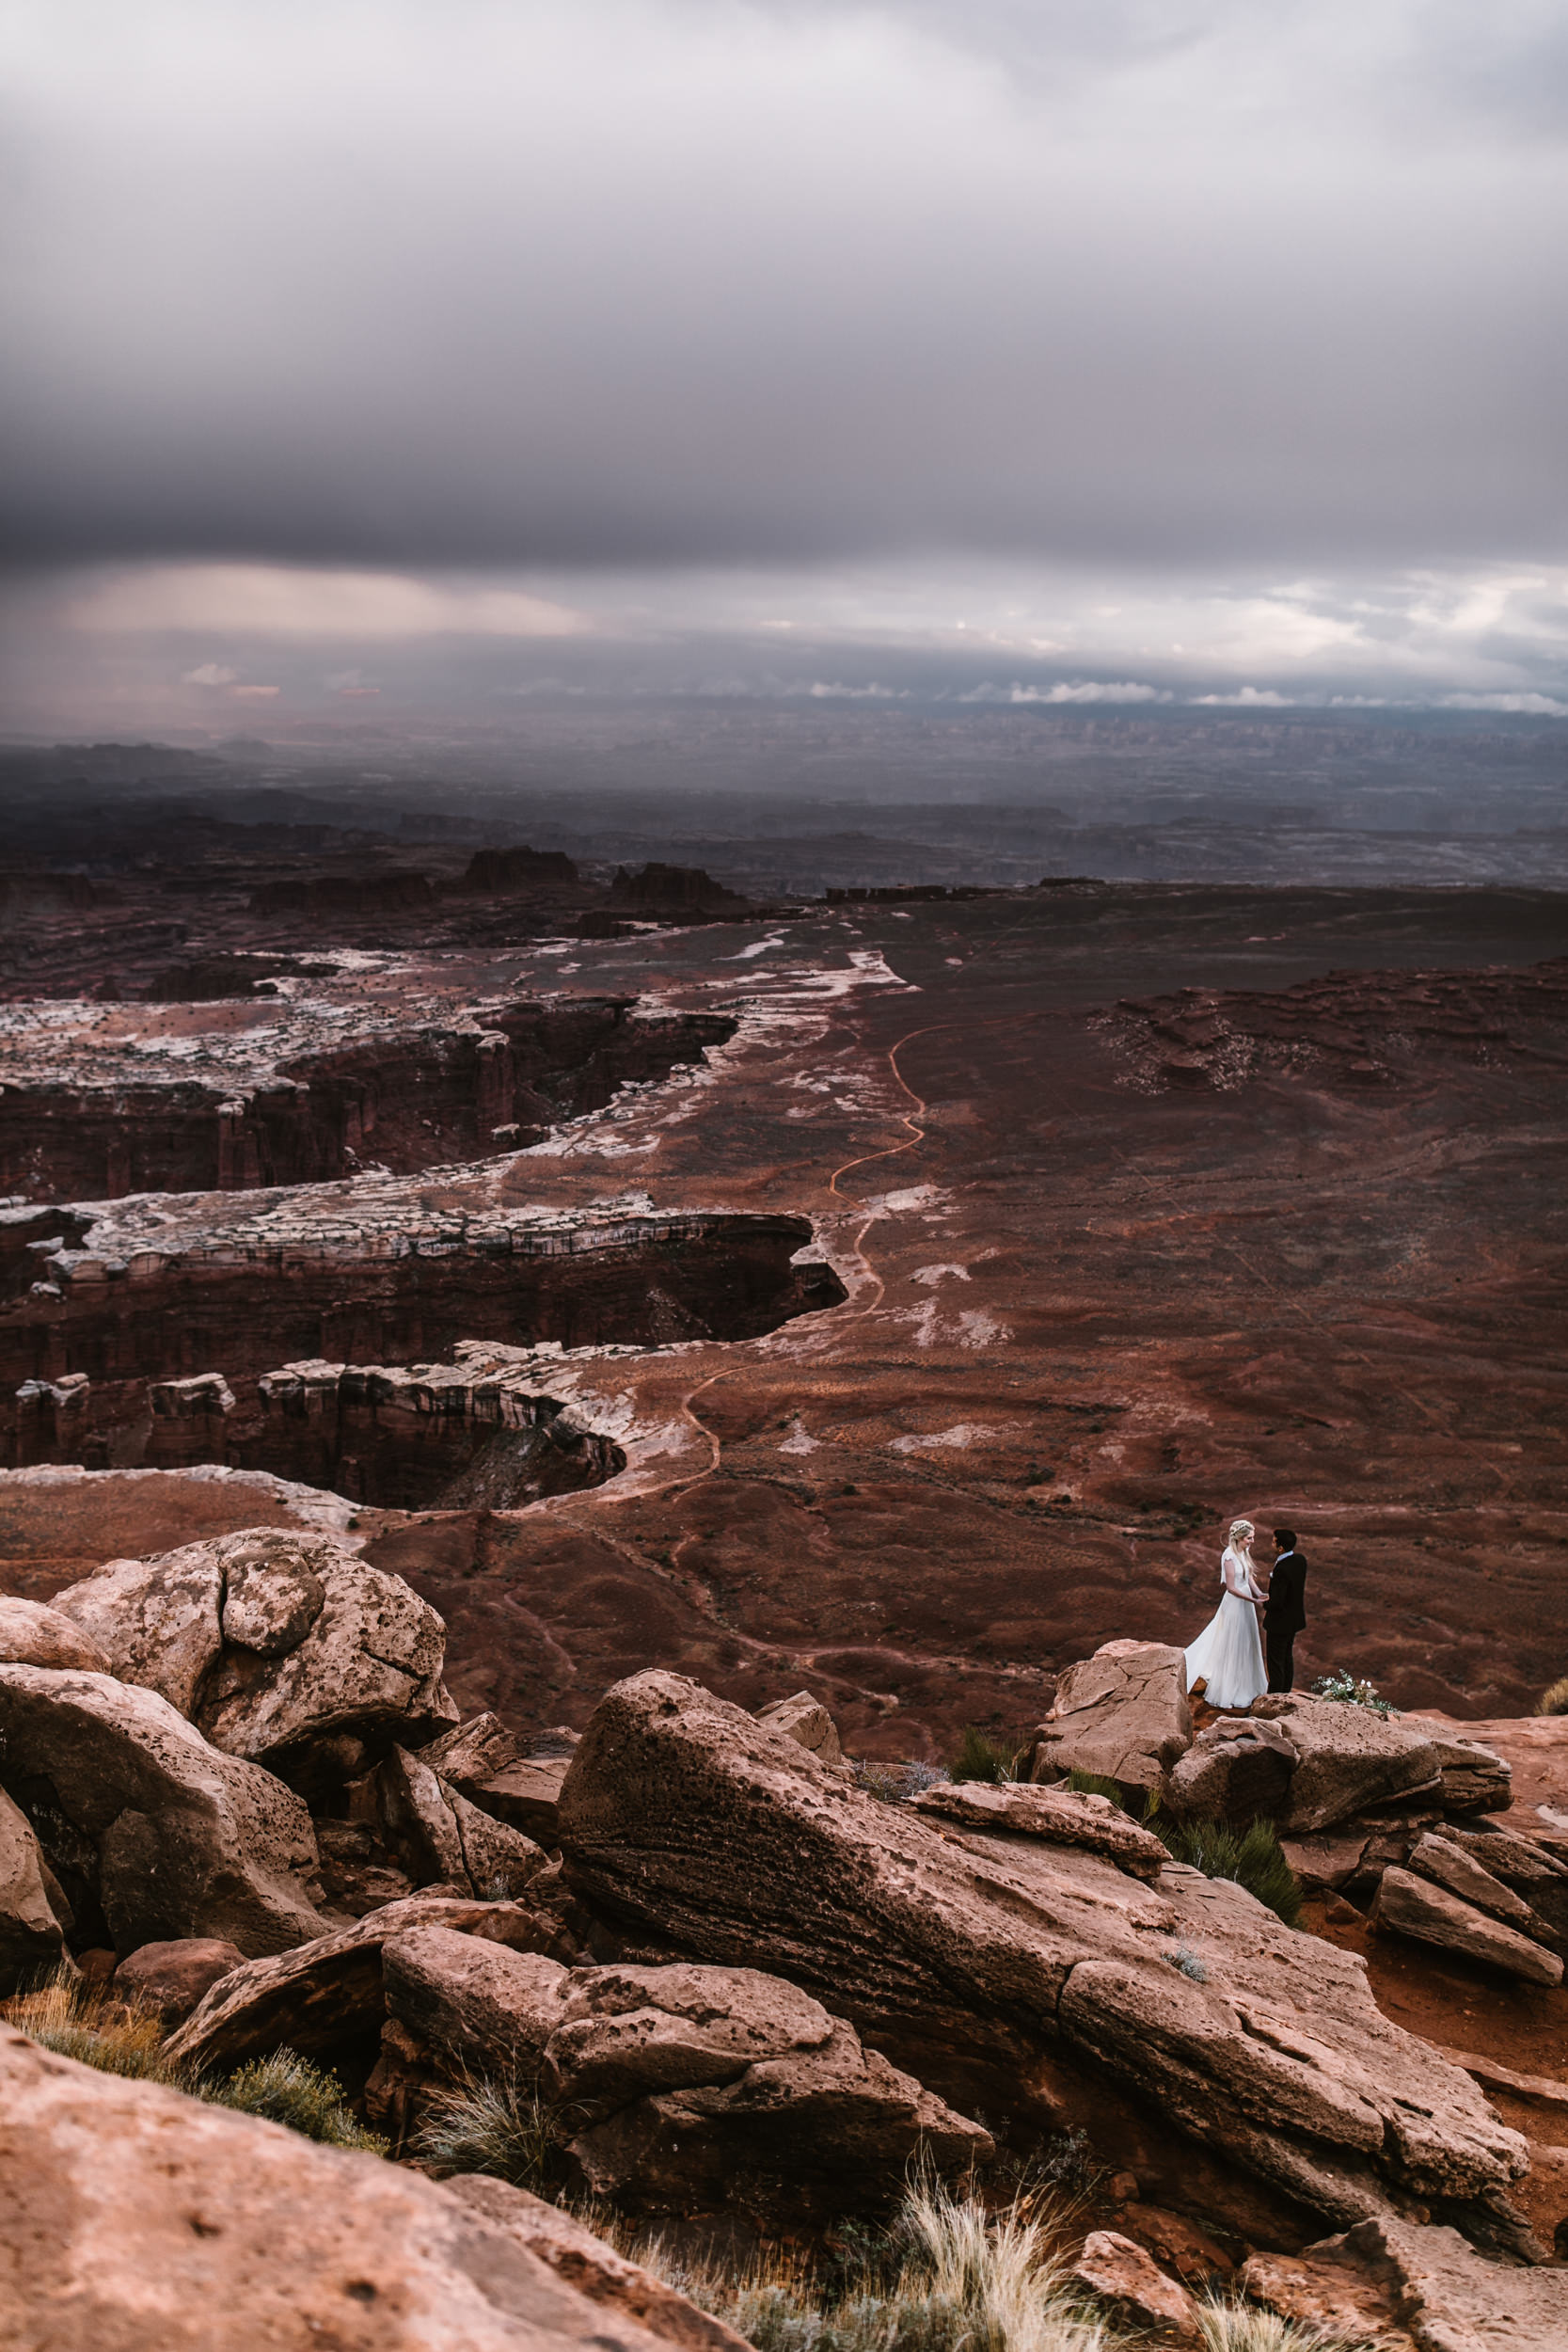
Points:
(1154, 347)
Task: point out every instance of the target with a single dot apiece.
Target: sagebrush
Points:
(1554, 1699)
(981, 1757)
(1252, 1856)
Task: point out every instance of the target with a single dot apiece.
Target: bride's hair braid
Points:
(1242, 1531)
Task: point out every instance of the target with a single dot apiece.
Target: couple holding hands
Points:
(1228, 1657)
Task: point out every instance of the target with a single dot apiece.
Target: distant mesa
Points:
(517, 869)
(898, 893)
(683, 890)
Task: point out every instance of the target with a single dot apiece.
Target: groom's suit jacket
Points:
(1285, 1611)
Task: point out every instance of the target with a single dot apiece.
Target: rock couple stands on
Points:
(747, 1982)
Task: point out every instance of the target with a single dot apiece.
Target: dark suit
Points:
(1284, 1615)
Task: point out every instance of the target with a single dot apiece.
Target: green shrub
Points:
(1555, 1700)
(1251, 1856)
(498, 2126)
(1094, 1785)
(287, 2089)
(1353, 1691)
(979, 1758)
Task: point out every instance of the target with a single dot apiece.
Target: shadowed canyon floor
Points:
(1149, 1205)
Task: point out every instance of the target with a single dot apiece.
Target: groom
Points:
(1284, 1613)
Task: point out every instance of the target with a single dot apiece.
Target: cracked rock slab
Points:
(682, 1816)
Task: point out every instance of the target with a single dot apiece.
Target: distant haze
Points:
(433, 354)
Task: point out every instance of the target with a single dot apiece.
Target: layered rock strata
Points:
(309, 1091)
(154, 1335)
(704, 1830)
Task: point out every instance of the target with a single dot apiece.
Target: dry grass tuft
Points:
(95, 2027)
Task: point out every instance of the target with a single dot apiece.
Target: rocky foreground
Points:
(748, 1990)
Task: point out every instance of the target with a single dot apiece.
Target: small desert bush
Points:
(981, 1757)
(497, 2126)
(287, 2089)
(1230, 2326)
(1094, 1785)
(96, 2027)
(1555, 1700)
(1353, 1691)
(1251, 1856)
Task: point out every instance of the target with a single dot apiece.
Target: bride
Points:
(1228, 1656)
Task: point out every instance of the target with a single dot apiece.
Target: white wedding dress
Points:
(1228, 1656)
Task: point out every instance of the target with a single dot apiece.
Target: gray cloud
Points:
(689, 282)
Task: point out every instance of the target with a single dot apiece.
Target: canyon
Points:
(913, 1290)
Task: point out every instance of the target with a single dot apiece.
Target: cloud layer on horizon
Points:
(1144, 283)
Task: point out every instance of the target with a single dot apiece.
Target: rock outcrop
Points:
(1417, 1907)
(153, 1834)
(690, 2088)
(437, 1834)
(174, 1978)
(1388, 2280)
(328, 1990)
(695, 1826)
(592, 2267)
(132, 2216)
(272, 1643)
(1348, 1758)
(1122, 1714)
(807, 1720)
(33, 1912)
(32, 1634)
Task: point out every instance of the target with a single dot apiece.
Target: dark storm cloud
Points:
(667, 280)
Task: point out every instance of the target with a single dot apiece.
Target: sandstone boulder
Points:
(1466, 1875)
(32, 1932)
(270, 1640)
(32, 1634)
(173, 1978)
(440, 1838)
(1475, 1779)
(1523, 1864)
(1429, 1915)
(1062, 1817)
(1348, 1758)
(690, 2086)
(156, 1621)
(1424, 2284)
(134, 2218)
(525, 1795)
(1118, 2275)
(328, 1990)
(594, 2268)
(1236, 1769)
(686, 1819)
(472, 1753)
(1122, 1714)
(807, 1720)
(149, 1830)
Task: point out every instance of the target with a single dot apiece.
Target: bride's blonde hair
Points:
(1242, 1531)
